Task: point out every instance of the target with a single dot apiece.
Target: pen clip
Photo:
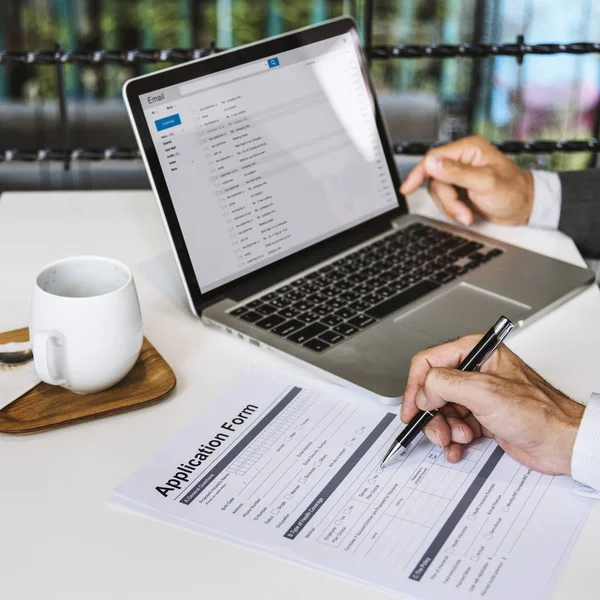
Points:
(500, 337)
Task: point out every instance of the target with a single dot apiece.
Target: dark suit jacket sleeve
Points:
(580, 209)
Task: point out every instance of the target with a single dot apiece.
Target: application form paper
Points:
(290, 466)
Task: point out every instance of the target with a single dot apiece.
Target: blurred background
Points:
(424, 99)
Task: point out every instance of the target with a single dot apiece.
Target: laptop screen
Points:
(265, 159)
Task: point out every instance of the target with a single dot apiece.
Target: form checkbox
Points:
(505, 509)
(474, 558)
(347, 511)
(275, 511)
(349, 443)
(339, 522)
(471, 517)
(317, 463)
(488, 536)
(379, 471)
(370, 481)
(288, 439)
(450, 550)
(302, 480)
(287, 496)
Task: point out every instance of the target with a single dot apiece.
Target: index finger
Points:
(448, 355)
(454, 150)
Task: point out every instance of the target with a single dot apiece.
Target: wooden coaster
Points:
(48, 406)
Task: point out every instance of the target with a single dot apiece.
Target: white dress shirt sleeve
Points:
(545, 212)
(585, 464)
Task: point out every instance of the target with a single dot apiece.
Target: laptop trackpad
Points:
(461, 310)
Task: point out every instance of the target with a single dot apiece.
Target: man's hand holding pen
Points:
(507, 400)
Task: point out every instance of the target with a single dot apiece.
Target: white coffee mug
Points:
(86, 324)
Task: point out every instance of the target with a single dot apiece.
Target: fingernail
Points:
(435, 163)
(439, 439)
(462, 218)
(420, 400)
(458, 434)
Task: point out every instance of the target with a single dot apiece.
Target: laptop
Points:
(275, 177)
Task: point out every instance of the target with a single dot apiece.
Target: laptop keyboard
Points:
(335, 302)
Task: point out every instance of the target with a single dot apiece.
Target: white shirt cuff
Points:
(545, 212)
(585, 464)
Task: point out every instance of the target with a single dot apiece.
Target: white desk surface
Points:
(59, 539)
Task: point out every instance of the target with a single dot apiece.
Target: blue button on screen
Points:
(273, 62)
(167, 122)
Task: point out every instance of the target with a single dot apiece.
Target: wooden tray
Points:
(48, 406)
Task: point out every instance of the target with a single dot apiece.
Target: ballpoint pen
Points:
(482, 351)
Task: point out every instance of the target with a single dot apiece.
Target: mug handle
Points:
(43, 346)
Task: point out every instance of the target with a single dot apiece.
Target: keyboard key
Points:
(318, 298)
(335, 303)
(317, 345)
(390, 276)
(298, 282)
(454, 242)
(240, 310)
(303, 305)
(309, 288)
(346, 269)
(331, 337)
(268, 297)
(349, 296)
(345, 329)
(294, 296)
(330, 292)
(362, 289)
(337, 275)
(477, 256)
(457, 270)
(254, 304)
(345, 313)
(402, 299)
(360, 305)
(396, 286)
(270, 321)
(323, 281)
(266, 309)
(284, 289)
(493, 253)
(442, 277)
(289, 312)
(251, 316)
(386, 292)
(361, 321)
(373, 298)
(309, 317)
(466, 249)
(472, 264)
(344, 284)
(310, 331)
(323, 310)
(288, 328)
(331, 320)
(368, 273)
(355, 278)
(280, 302)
